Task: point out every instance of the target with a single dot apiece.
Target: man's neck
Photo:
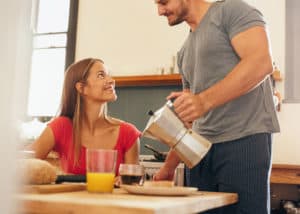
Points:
(197, 11)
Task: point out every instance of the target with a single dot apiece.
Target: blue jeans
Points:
(241, 166)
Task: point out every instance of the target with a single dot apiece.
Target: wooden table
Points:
(121, 202)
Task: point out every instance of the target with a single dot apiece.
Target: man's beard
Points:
(180, 16)
(177, 21)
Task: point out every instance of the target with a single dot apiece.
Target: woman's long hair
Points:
(71, 103)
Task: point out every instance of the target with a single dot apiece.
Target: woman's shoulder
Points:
(114, 120)
(125, 127)
(128, 134)
(128, 126)
(60, 121)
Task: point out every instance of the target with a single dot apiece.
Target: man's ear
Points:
(79, 87)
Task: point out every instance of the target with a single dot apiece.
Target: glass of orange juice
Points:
(100, 169)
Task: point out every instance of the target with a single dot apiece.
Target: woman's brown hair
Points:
(71, 102)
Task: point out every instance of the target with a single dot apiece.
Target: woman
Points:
(83, 121)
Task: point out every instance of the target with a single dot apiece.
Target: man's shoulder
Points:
(233, 4)
(230, 2)
(229, 12)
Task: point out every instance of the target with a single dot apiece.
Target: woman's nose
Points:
(110, 80)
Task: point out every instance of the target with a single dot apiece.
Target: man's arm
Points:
(252, 46)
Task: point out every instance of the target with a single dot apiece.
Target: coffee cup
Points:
(131, 174)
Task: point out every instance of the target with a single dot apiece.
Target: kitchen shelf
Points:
(148, 80)
(285, 174)
(277, 76)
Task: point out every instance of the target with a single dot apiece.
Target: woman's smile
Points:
(109, 88)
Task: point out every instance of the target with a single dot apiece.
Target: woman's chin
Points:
(112, 98)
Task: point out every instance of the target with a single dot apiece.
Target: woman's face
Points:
(99, 86)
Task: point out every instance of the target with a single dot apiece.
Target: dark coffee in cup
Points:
(131, 174)
(131, 179)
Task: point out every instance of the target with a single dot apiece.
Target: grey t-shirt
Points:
(207, 57)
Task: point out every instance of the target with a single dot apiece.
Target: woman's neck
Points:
(93, 116)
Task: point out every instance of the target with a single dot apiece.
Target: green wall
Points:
(133, 105)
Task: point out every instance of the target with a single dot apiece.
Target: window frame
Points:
(71, 36)
(72, 33)
(291, 62)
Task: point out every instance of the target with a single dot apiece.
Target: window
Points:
(292, 76)
(54, 35)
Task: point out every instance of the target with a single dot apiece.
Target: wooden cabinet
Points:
(285, 180)
(285, 174)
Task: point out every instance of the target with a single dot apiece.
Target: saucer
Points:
(164, 191)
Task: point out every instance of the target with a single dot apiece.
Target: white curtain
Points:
(15, 51)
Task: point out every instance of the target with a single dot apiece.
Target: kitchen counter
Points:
(121, 202)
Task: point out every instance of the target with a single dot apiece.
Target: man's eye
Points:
(163, 2)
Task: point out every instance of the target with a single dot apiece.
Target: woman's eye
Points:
(101, 75)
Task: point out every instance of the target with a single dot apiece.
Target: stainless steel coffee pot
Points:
(165, 126)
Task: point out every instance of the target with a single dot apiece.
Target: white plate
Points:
(167, 191)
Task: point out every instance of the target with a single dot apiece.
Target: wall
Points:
(128, 35)
(286, 143)
(133, 39)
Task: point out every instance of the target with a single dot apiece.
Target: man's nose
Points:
(161, 10)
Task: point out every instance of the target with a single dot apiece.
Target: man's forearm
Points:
(172, 160)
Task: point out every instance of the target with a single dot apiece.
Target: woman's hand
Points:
(167, 171)
(117, 181)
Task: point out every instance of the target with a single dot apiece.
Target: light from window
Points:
(46, 81)
(48, 57)
(47, 41)
(53, 16)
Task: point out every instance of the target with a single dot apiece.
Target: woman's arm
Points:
(44, 144)
(167, 171)
(132, 155)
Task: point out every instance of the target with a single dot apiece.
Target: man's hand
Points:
(188, 106)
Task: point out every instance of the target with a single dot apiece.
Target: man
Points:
(225, 65)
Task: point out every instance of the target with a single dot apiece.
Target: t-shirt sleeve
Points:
(61, 128)
(185, 83)
(130, 135)
(239, 16)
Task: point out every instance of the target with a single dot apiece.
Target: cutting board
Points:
(54, 188)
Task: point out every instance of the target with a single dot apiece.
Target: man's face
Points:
(175, 10)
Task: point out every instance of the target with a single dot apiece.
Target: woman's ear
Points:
(79, 87)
